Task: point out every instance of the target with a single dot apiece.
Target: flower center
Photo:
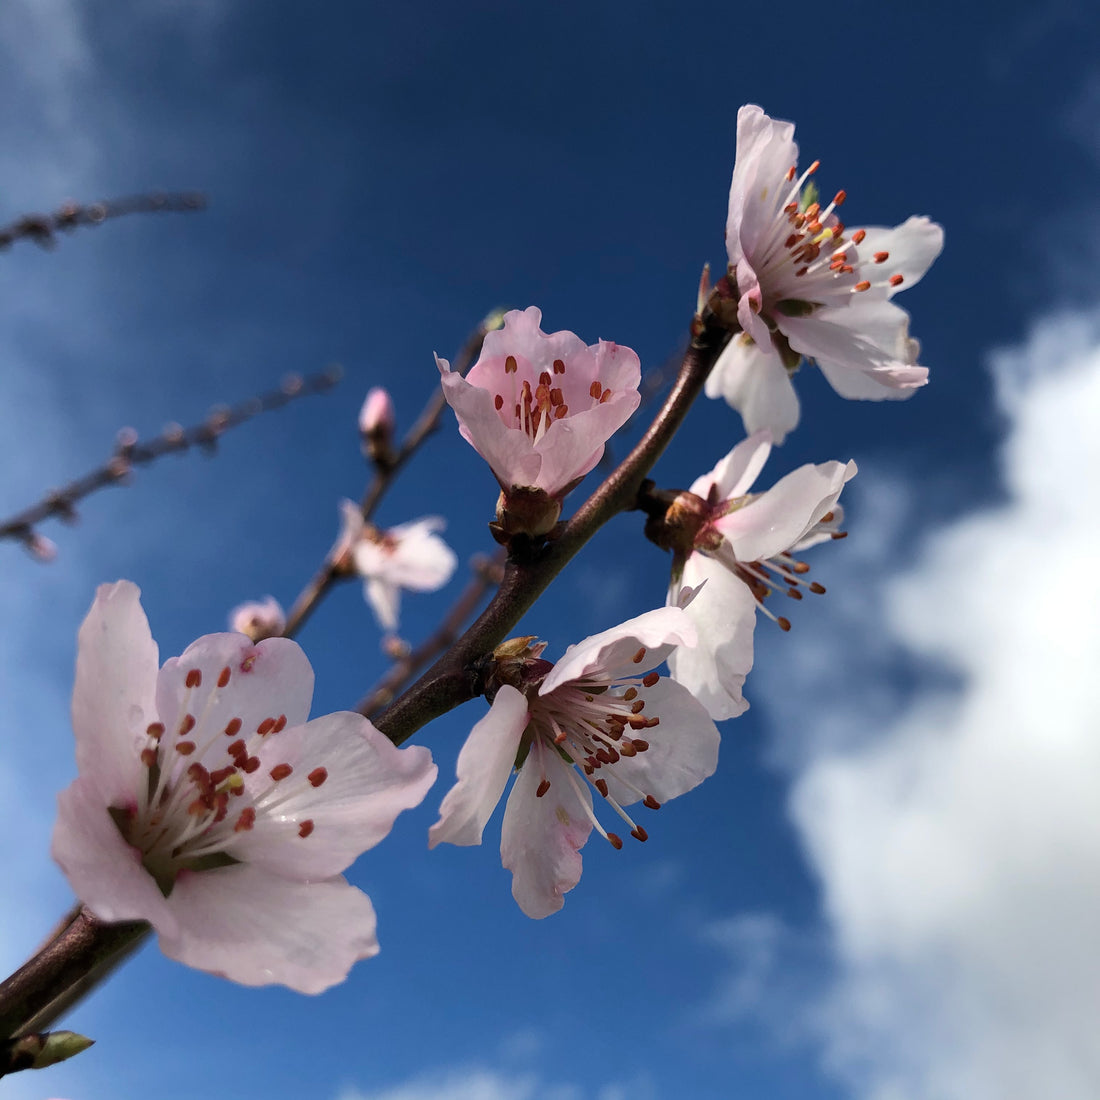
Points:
(592, 723)
(195, 799)
(533, 409)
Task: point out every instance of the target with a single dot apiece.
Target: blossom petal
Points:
(683, 749)
(911, 247)
(774, 521)
(367, 783)
(542, 837)
(252, 927)
(266, 680)
(724, 613)
(422, 562)
(104, 871)
(484, 765)
(734, 475)
(612, 653)
(864, 350)
(384, 599)
(752, 379)
(113, 697)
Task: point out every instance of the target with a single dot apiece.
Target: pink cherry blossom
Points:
(600, 717)
(539, 408)
(258, 619)
(743, 552)
(377, 415)
(808, 288)
(409, 555)
(207, 805)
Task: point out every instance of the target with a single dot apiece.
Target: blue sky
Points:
(888, 891)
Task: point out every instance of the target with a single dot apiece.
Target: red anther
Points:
(248, 662)
(185, 748)
(155, 730)
(510, 365)
(791, 173)
(280, 724)
(840, 534)
(545, 379)
(651, 802)
(556, 397)
(602, 756)
(265, 727)
(198, 808)
(280, 771)
(220, 775)
(828, 517)
(800, 272)
(233, 728)
(543, 787)
(250, 765)
(605, 397)
(863, 284)
(305, 828)
(613, 754)
(559, 366)
(638, 722)
(595, 390)
(519, 411)
(616, 841)
(560, 737)
(498, 402)
(896, 280)
(630, 693)
(246, 820)
(800, 567)
(811, 212)
(639, 656)
(317, 776)
(784, 624)
(236, 749)
(626, 747)
(638, 707)
(638, 833)
(881, 257)
(651, 679)
(223, 677)
(148, 757)
(639, 744)
(601, 786)
(838, 230)
(818, 588)
(560, 411)
(588, 769)
(839, 197)
(221, 800)
(794, 593)
(813, 168)
(193, 679)
(858, 235)
(198, 774)
(187, 725)
(792, 240)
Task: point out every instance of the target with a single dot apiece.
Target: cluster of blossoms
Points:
(209, 806)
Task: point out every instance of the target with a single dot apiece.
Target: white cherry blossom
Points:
(410, 555)
(601, 718)
(539, 408)
(208, 805)
(742, 553)
(258, 619)
(808, 288)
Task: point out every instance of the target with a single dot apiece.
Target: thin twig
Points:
(488, 572)
(426, 423)
(43, 228)
(129, 452)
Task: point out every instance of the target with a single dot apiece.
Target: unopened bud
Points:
(40, 548)
(376, 420)
(527, 511)
(40, 1050)
(258, 620)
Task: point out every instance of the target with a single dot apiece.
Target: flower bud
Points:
(376, 420)
(258, 620)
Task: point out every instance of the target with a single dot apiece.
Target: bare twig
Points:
(43, 228)
(129, 452)
(488, 572)
(426, 423)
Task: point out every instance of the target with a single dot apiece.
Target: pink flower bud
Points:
(376, 417)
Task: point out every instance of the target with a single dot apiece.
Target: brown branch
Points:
(448, 682)
(426, 423)
(43, 228)
(129, 452)
(488, 572)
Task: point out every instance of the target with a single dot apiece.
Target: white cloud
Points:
(958, 841)
(476, 1083)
